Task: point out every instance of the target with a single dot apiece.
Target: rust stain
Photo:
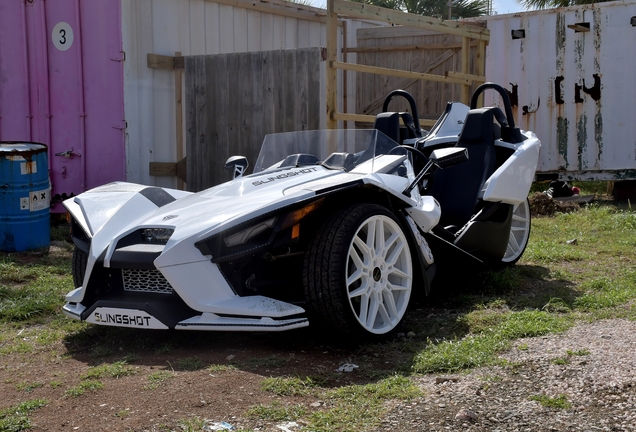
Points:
(581, 139)
(598, 133)
(562, 139)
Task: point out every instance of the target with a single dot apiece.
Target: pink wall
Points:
(61, 84)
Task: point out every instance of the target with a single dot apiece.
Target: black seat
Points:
(457, 188)
(389, 124)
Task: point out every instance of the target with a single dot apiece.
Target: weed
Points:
(289, 386)
(276, 412)
(560, 361)
(115, 370)
(83, 387)
(192, 424)
(559, 402)
(16, 418)
(523, 347)
(188, 364)
(157, 379)
(582, 352)
(216, 368)
(29, 386)
(268, 362)
(56, 384)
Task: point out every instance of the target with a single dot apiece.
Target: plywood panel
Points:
(234, 100)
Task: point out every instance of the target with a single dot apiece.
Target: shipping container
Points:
(74, 75)
(570, 75)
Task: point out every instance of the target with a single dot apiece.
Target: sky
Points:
(500, 6)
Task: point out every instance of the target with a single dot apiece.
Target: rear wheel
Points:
(519, 233)
(358, 272)
(78, 266)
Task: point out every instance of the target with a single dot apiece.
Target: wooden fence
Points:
(234, 100)
(462, 76)
(414, 50)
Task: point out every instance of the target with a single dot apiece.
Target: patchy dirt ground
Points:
(129, 403)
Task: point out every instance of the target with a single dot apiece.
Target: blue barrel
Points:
(25, 196)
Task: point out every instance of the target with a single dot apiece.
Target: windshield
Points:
(350, 150)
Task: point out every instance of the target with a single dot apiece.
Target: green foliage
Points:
(16, 418)
(157, 379)
(115, 370)
(191, 424)
(268, 362)
(559, 402)
(294, 386)
(434, 8)
(189, 364)
(276, 412)
(83, 387)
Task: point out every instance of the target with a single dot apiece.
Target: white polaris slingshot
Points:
(339, 228)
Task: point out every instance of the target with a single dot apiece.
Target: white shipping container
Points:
(570, 73)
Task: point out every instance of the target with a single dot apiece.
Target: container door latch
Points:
(68, 153)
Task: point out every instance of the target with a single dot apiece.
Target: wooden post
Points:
(465, 58)
(481, 65)
(332, 51)
(178, 94)
(344, 72)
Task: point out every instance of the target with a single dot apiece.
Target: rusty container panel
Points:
(569, 72)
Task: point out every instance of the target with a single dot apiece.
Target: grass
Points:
(16, 418)
(157, 379)
(556, 285)
(83, 387)
(558, 402)
(276, 412)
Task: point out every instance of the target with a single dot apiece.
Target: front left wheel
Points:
(358, 272)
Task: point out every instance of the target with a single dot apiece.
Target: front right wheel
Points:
(358, 272)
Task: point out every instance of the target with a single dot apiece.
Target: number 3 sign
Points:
(62, 36)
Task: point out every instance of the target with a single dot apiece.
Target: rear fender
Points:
(511, 182)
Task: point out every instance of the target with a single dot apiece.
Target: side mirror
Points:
(445, 157)
(238, 165)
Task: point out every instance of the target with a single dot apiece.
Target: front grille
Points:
(151, 281)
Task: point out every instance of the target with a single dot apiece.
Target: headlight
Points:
(156, 235)
(242, 237)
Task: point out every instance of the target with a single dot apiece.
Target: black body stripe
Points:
(157, 196)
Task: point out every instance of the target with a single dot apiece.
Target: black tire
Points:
(78, 266)
(352, 288)
(519, 233)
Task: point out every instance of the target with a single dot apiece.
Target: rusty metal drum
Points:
(25, 192)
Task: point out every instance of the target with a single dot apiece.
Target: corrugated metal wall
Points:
(196, 27)
(574, 88)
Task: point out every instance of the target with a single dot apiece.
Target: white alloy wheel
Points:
(379, 274)
(519, 233)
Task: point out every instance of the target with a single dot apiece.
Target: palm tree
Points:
(435, 8)
(546, 4)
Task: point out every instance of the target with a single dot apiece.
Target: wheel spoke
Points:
(374, 306)
(393, 287)
(512, 243)
(371, 235)
(364, 307)
(389, 306)
(517, 218)
(361, 290)
(394, 271)
(364, 250)
(354, 276)
(395, 254)
(379, 237)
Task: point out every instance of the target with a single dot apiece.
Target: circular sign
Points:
(62, 36)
